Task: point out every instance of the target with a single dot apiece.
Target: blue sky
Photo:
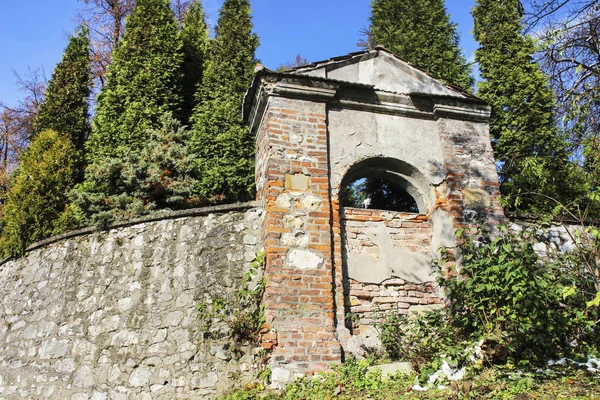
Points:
(316, 29)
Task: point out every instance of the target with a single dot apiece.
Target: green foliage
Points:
(194, 35)
(586, 257)
(38, 195)
(377, 194)
(352, 380)
(421, 33)
(352, 374)
(420, 338)
(221, 140)
(502, 292)
(531, 154)
(160, 176)
(143, 83)
(65, 107)
(239, 316)
(507, 310)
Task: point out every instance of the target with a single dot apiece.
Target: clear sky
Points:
(34, 33)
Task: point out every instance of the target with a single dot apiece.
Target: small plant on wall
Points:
(239, 316)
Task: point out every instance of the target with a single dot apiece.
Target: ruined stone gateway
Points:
(319, 126)
(112, 314)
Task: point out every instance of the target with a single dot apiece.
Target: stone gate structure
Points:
(113, 314)
(319, 126)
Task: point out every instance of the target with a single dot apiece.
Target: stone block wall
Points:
(112, 314)
(549, 241)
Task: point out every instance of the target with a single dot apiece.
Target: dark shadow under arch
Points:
(382, 183)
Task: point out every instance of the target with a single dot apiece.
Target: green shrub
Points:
(38, 195)
(420, 338)
(161, 176)
(504, 293)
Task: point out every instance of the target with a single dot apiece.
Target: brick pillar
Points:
(292, 178)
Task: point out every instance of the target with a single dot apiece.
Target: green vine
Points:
(239, 316)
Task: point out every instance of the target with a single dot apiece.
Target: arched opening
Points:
(381, 184)
(386, 238)
(377, 194)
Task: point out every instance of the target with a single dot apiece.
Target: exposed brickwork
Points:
(292, 176)
(369, 301)
(408, 231)
(469, 163)
(312, 133)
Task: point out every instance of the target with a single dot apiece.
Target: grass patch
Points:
(353, 380)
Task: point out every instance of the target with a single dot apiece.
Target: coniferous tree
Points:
(420, 32)
(531, 154)
(194, 34)
(220, 138)
(38, 196)
(65, 107)
(143, 82)
(161, 176)
(50, 167)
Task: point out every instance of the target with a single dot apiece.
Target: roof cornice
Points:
(357, 96)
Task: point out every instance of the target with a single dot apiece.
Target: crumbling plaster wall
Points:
(388, 261)
(112, 314)
(356, 136)
(388, 257)
(411, 149)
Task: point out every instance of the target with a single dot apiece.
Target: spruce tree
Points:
(161, 176)
(194, 34)
(420, 32)
(38, 196)
(143, 82)
(65, 107)
(530, 152)
(220, 138)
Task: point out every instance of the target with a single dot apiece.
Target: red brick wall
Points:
(408, 231)
(292, 176)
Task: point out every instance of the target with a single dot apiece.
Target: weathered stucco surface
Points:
(384, 72)
(112, 315)
(360, 135)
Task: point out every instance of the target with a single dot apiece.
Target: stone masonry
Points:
(322, 125)
(112, 314)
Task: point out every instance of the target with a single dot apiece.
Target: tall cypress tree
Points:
(65, 107)
(144, 82)
(52, 164)
(38, 195)
(420, 32)
(220, 138)
(194, 34)
(530, 152)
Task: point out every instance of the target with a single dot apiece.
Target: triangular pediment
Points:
(382, 70)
